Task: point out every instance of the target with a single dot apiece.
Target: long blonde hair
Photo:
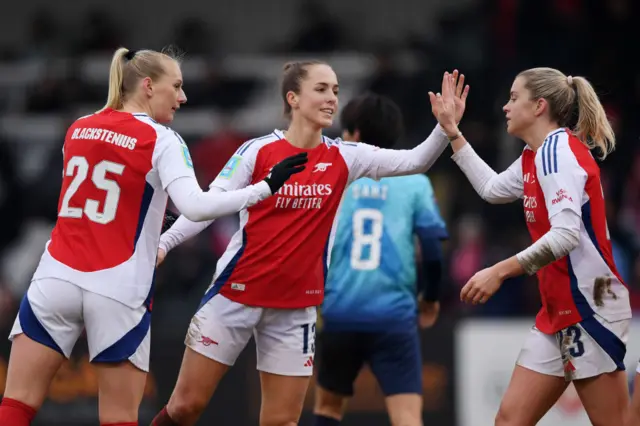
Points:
(572, 103)
(128, 67)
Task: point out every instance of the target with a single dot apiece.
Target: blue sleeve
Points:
(430, 229)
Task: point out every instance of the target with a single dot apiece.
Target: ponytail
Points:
(128, 67)
(572, 103)
(592, 126)
(116, 77)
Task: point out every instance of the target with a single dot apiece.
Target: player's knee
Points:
(508, 418)
(279, 420)
(406, 416)
(406, 419)
(186, 407)
(505, 417)
(329, 405)
(405, 409)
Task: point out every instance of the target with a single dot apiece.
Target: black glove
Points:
(169, 219)
(284, 169)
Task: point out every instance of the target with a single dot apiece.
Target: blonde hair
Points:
(128, 67)
(573, 103)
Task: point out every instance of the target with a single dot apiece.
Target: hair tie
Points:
(130, 54)
(570, 80)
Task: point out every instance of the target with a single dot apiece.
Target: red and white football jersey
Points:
(116, 168)
(279, 256)
(562, 174)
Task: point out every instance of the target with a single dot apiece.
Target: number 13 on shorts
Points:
(308, 339)
(571, 347)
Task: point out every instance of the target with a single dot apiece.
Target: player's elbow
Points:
(190, 207)
(573, 237)
(491, 197)
(494, 199)
(489, 193)
(194, 214)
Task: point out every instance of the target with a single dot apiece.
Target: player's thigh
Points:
(596, 348)
(536, 383)
(404, 409)
(329, 404)
(120, 391)
(635, 401)
(529, 396)
(396, 362)
(119, 343)
(285, 345)
(282, 398)
(197, 381)
(44, 333)
(338, 360)
(605, 398)
(217, 334)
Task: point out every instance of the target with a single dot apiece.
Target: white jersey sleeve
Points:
(495, 188)
(561, 177)
(238, 171)
(171, 157)
(172, 160)
(182, 230)
(366, 160)
(235, 175)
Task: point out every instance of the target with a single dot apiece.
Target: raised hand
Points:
(443, 105)
(461, 93)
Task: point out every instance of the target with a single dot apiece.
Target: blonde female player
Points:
(271, 278)
(581, 330)
(97, 270)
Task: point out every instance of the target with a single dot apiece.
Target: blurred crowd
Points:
(490, 42)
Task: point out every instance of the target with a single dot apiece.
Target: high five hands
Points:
(448, 105)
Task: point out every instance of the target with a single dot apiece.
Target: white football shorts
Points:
(592, 347)
(54, 313)
(285, 338)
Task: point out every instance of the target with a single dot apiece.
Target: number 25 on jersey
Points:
(79, 168)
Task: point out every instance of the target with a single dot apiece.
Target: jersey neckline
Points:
(280, 134)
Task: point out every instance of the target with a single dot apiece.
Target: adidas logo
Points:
(309, 362)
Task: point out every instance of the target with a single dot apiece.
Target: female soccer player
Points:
(581, 330)
(97, 270)
(271, 278)
(374, 300)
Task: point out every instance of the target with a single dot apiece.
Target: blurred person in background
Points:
(369, 313)
(581, 330)
(97, 269)
(271, 278)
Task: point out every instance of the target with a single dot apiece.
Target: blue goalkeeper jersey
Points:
(371, 283)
